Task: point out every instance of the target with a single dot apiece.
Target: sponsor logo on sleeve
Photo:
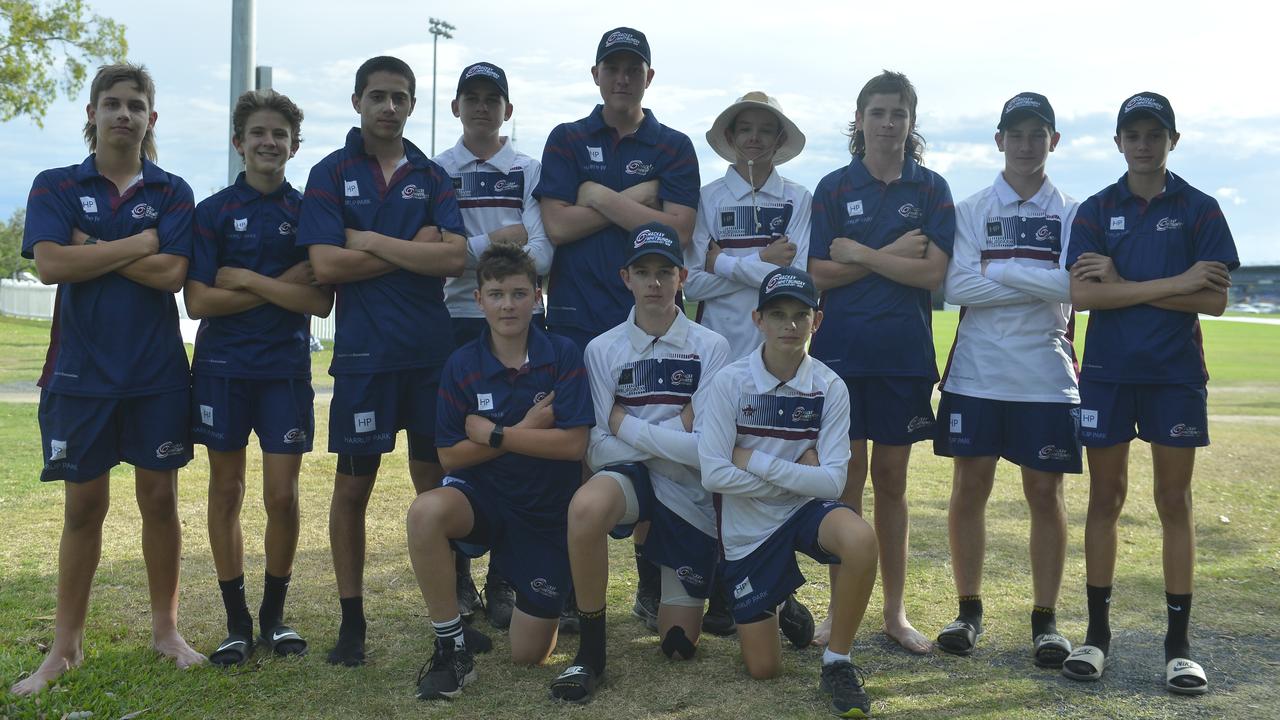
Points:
(351, 188)
(366, 421)
(413, 192)
(143, 211)
(595, 153)
(484, 401)
(1168, 224)
(169, 449)
(57, 450)
(638, 167)
(240, 224)
(1089, 418)
(1117, 223)
(206, 414)
(853, 207)
(88, 204)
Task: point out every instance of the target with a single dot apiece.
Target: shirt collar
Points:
(1172, 184)
(740, 188)
(1008, 196)
(647, 133)
(412, 155)
(767, 383)
(675, 335)
(501, 160)
(539, 353)
(151, 173)
(858, 173)
(246, 193)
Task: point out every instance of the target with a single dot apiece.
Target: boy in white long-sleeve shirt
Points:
(645, 374)
(1010, 387)
(774, 441)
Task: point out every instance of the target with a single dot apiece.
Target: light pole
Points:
(439, 28)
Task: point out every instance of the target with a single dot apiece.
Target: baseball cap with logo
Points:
(484, 71)
(1147, 103)
(656, 239)
(1026, 104)
(623, 38)
(788, 282)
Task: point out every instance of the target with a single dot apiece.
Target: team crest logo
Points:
(1053, 452)
(776, 223)
(637, 167)
(854, 208)
(681, 377)
(286, 228)
(1168, 224)
(240, 224)
(687, 574)
(88, 204)
(595, 153)
(539, 398)
(484, 70)
(295, 435)
(143, 211)
(1141, 102)
(621, 37)
(351, 188)
(1020, 102)
(652, 237)
(1182, 430)
(1044, 234)
(413, 192)
(504, 185)
(783, 280)
(910, 212)
(542, 587)
(802, 414)
(918, 423)
(169, 449)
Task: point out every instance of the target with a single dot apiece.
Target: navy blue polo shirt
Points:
(876, 326)
(474, 382)
(243, 228)
(396, 321)
(1147, 241)
(584, 289)
(111, 337)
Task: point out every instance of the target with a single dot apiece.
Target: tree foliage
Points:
(11, 260)
(44, 46)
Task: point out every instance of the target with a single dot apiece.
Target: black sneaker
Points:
(845, 682)
(499, 601)
(446, 673)
(468, 599)
(646, 607)
(796, 622)
(718, 620)
(570, 623)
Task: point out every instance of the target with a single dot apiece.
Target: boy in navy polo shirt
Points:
(380, 221)
(882, 233)
(254, 288)
(114, 233)
(1147, 254)
(774, 441)
(511, 428)
(494, 183)
(645, 374)
(603, 176)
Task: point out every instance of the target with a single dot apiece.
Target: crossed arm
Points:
(368, 254)
(1202, 288)
(911, 260)
(597, 207)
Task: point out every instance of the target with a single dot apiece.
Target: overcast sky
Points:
(965, 59)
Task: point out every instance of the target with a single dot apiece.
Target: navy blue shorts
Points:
(532, 556)
(1174, 415)
(1036, 435)
(368, 410)
(760, 581)
(890, 410)
(279, 411)
(579, 336)
(84, 437)
(672, 542)
(467, 329)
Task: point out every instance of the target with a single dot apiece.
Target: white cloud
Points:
(1231, 195)
(944, 156)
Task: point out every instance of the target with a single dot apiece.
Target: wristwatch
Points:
(91, 241)
(495, 436)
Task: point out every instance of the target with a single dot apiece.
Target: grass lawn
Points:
(1237, 595)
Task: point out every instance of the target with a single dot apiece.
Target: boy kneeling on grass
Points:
(511, 428)
(774, 432)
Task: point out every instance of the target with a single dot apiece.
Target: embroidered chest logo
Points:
(351, 188)
(595, 153)
(539, 397)
(1044, 234)
(627, 377)
(413, 192)
(854, 208)
(727, 219)
(286, 228)
(680, 378)
(748, 410)
(802, 415)
(143, 211)
(1168, 224)
(994, 229)
(240, 224)
(637, 167)
(88, 204)
(505, 185)
(484, 401)
(910, 212)
(1117, 223)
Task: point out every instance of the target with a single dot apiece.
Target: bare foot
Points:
(909, 638)
(171, 645)
(55, 663)
(822, 633)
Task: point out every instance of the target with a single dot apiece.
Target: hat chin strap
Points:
(751, 176)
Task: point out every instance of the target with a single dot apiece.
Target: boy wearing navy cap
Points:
(603, 176)
(645, 374)
(512, 426)
(114, 233)
(380, 221)
(1009, 389)
(254, 288)
(1147, 255)
(494, 184)
(774, 429)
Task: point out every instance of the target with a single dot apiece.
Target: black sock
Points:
(649, 574)
(352, 616)
(1043, 620)
(239, 621)
(591, 650)
(1099, 632)
(271, 612)
(1177, 644)
(971, 610)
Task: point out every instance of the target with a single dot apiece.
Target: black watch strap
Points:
(495, 437)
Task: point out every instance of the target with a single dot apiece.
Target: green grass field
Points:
(1237, 595)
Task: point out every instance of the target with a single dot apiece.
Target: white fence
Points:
(25, 299)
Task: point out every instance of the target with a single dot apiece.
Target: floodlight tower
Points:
(439, 28)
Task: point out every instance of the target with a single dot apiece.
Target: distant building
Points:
(1256, 284)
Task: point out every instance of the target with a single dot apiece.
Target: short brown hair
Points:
(109, 75)
(501, 260)
(254, 100)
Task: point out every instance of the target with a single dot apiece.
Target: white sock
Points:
(829, 657)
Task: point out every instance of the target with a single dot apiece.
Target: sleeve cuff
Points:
(759, 464)
(476, 245)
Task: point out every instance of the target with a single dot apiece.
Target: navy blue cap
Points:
(656, 239)
(484, 71)
(1026, 104)
(1149, 103)
(788, 282)
(623, 38)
